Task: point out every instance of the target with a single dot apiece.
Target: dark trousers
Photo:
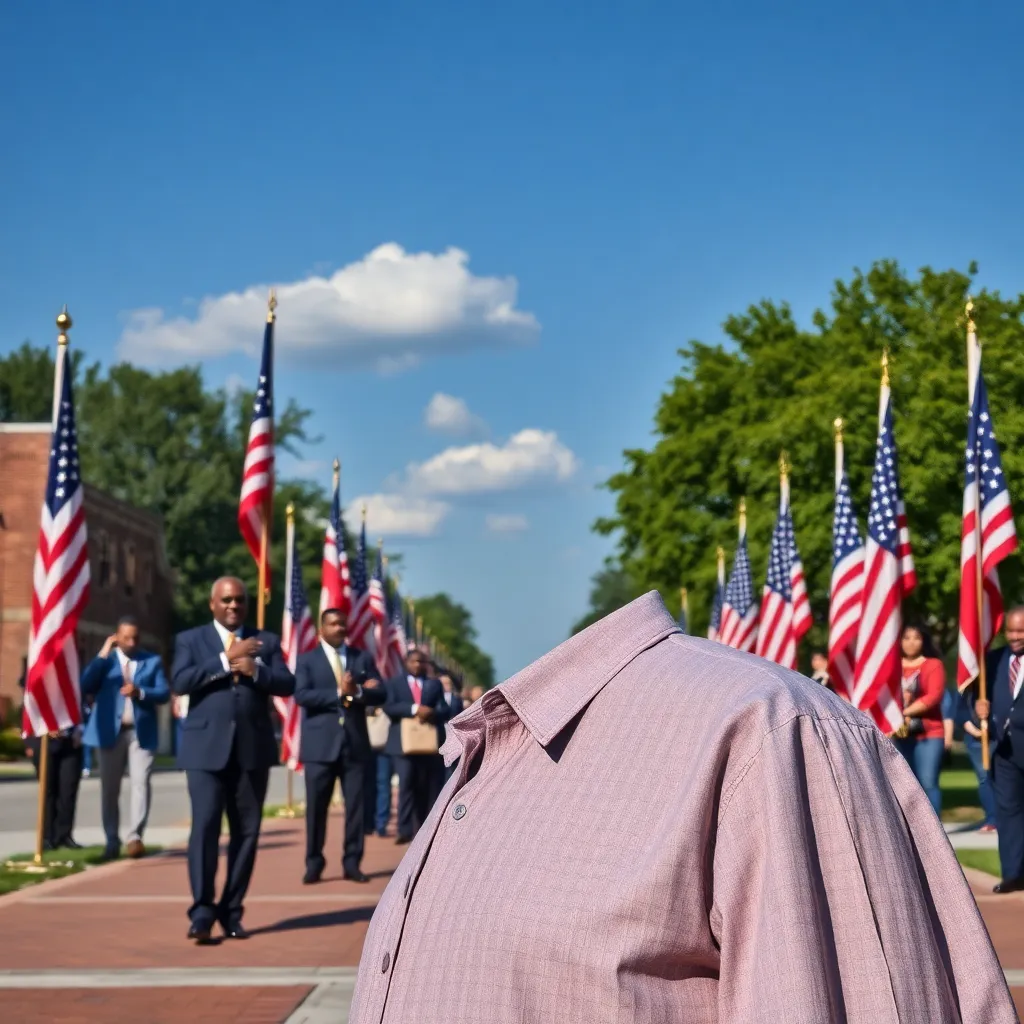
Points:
(370, 783)
(1008, 786)
(419, 781)
(239, 793)
(320, 780)
(63, 775)
(384, 773)
(985, 794)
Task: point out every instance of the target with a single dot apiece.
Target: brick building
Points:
(128, 563)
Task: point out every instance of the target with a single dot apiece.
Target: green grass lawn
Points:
(980, 860)
(279, 810)
(56, 864)
(959, 787)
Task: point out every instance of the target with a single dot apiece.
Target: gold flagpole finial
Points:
(64, 325)
(971, 328)
(743, 515)
(720, 552)
(837, 426)
(885, 368)
(783, 465)
(336, 471)
(290, 512)
(271, 306)
(364, 515)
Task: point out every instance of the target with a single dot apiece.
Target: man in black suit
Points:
(229, 672)
(334, 684)
(452, 686)
(1005, 711)
(419, 778)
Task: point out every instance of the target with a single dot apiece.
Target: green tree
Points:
(611, 589)
(725, 418)
(452, 624)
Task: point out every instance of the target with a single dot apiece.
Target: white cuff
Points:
(415, 708)
(224, 661)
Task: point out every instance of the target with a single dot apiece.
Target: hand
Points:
(244, 666)
(425, 714)
(248, 648)
(108, 645)
(129, 690)
(348, 685)
(982, 708)
(947, 744)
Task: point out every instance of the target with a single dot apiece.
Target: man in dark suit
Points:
(452, 686)
(229, 673)
(415, 696)
(334, 684)
(1005, 712)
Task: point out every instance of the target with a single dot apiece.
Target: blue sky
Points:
(620, 178)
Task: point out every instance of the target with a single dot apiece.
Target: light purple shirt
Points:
(652, 828)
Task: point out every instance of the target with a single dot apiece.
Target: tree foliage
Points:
(725, 418)
(452, 624)
(611, 589)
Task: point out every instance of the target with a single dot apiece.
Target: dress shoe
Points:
(1008, 885)
(110, 853)
(135, 849)
(235, 931)
(70, 844)
(355, 876)
(311, 878)
(201, 934)
(403, 840)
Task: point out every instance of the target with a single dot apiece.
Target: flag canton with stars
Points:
(740, 592)
(983, 452)
(845, 535)
(64, 478)
(297, 593)
(780, 561)
(263, 404)
(359, 569)
(885, 489)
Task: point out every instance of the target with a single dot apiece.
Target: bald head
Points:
(1015, 629)
(228, 602)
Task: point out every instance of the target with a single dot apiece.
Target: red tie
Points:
(1014, 674)
(417, 690)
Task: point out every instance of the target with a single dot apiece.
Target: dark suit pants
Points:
(420, 780)
(1008, 786)
(320, 780)
(63, 775)
(239, 793)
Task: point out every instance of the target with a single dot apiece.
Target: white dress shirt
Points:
(223, 632)
(128, 672)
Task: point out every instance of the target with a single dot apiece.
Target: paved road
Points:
(168, 819)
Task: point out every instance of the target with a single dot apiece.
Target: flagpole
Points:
(64, 324)
(261, 599)
(337, 475)
(979, 553)
(684, 607)
(289, 539)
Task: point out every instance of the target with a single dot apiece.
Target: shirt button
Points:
(386, 963)
(460, 812)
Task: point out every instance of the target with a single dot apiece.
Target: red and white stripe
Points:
(335, 581)
(298, 635)
(846, 595)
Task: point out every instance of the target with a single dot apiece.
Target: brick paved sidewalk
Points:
(109, 945)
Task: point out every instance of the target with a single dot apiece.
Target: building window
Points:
(129, 568)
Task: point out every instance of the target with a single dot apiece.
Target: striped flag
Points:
(888, 576)
(785, 610)
(739, 609)
(716, 605)
(60, 579)
(254, 507)
(360, 621)
(335, 584)
(397, 641)
(986, 512)
(298, 635)
(379, 613)
(846, 591)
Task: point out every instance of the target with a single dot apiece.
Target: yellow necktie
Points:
(228, 641)
(336, 665)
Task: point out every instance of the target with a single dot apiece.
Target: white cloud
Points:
(234, 383)
(449, 415)
(511, 522)
(397, 515)
(529, 457)
(388, 310)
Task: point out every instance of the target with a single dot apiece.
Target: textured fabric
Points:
(760, 853)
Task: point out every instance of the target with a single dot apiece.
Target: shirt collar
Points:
(121, 656)
(551, 692)
(338, 652)
(223, 632)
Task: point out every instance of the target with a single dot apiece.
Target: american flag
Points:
(739, 610)
(335, 585)
(397, 641)
(258, 474)
(985, 490)
(60, 580)
(846, 591)
(298, 635)
(785, 610)
(360, 621)
(888, 577)
(379, 614)
(716, 604)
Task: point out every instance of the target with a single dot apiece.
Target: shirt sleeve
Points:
(933, 682)
(836, 895)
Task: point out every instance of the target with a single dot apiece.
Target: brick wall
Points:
(128, 563)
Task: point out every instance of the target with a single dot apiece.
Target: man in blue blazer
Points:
(452, 686)
(334, 685)
(229, 673)
(1005, 711)
(127, 685)
(420, 777)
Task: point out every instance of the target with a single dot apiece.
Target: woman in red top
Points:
(924, 682)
